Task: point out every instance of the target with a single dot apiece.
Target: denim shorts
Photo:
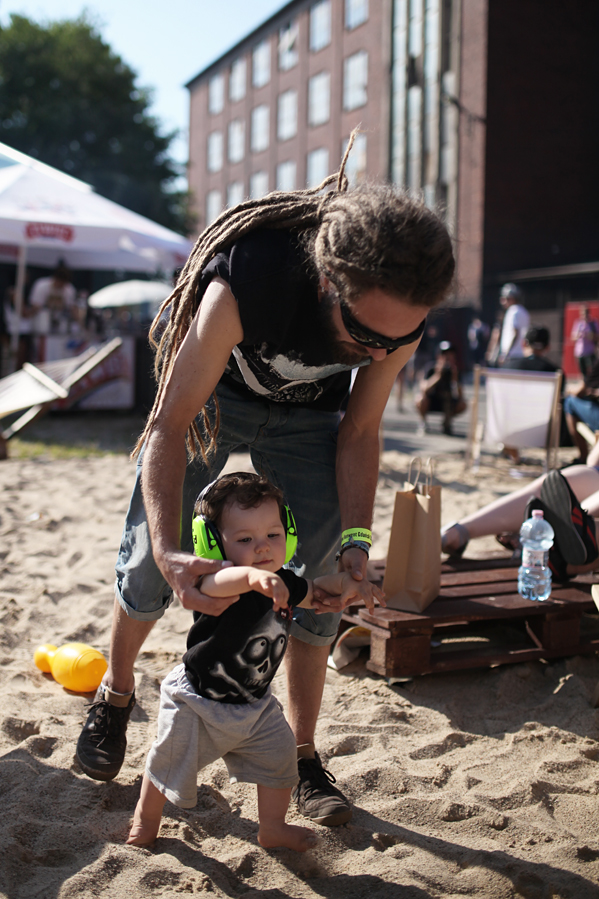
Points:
(586, 410)
(295, 448)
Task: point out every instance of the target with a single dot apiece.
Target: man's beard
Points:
(342, 352)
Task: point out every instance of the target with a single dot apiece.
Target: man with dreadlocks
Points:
(280, 299)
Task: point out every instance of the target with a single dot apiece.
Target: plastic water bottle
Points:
(534, 574)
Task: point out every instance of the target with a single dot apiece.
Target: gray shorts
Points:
(254, 741)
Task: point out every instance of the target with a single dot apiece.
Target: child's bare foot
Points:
(288, 835)
(148, 814)
(143, 831)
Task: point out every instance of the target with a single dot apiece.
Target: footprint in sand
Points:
(434, 750)
(19, 729)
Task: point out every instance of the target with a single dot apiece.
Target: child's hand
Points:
(353, 591)
(332, 593)
(270, 585)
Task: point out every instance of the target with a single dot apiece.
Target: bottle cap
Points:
(537, 513)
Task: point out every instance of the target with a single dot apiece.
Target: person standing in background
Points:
(57, 296)
(585, 333)
(516, 323)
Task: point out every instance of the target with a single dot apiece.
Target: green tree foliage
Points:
(67, 99)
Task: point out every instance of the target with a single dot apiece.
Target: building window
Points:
(260, 129)
(258, 185)
(215, 151)
(355, 167)
(320, 25)
(216, 94)
(319, 98)
(261, 64)
(237, 81)
(355, 80)
(356, 12)
(287, 115)
(235, 193)
(236, 140)
(318, 167)
(288, 46)
(214, 205)
(286, 175)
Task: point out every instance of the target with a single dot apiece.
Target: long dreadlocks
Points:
(369, 237)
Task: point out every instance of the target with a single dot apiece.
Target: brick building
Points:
(489, 107)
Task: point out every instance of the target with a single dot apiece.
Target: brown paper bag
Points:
(413, 571)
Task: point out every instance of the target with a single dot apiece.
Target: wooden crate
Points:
(478, 620)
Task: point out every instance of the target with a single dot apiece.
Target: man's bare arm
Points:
(358, 448)
(199, 364)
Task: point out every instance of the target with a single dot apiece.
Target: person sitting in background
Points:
(582, 404)
(441, 390)
(536, 345)
(516, 322)
(585, 333)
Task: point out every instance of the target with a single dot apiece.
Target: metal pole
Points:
(18, 305)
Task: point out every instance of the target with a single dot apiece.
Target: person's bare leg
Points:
(577, 439)
(126, 639)
(306, 667)
(274, 832)
(148, 814)
(422, 406)
(506, 513)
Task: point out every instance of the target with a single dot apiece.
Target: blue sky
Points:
(166, 42)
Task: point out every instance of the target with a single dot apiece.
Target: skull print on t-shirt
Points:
(233, 657)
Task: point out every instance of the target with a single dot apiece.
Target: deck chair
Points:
(36, 387)
(523, 410)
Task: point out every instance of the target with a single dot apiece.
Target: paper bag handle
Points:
(413, 460)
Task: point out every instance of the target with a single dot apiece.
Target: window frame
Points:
(314, 102)
(350, 5)
(263, 47)
(289, 164)
(348, 86)
(314, 182)
(289, 33)
(231, 142)
(213, 138)
(319, 39)
(209, 196)
(258, 111)
(239, 65)
(286, 135)
(217, 79)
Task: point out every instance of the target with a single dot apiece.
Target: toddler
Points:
(218, 702)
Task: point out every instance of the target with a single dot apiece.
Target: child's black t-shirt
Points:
(234, 656)
(287, 354)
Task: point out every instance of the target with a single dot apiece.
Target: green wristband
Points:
(361, 534)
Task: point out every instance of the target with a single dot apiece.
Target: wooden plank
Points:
(479, 609)
(477, 658)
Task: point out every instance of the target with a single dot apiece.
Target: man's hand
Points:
(354, 561)
(183, 570)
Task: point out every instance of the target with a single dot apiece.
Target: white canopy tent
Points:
(46, 215)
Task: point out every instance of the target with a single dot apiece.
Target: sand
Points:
(481, 783)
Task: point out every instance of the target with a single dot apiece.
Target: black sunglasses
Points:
(361, 334)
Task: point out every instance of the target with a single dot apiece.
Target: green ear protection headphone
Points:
(208, 544)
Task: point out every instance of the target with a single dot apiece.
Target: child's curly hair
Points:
(245, 488)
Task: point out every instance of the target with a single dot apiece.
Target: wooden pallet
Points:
(478, 620)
